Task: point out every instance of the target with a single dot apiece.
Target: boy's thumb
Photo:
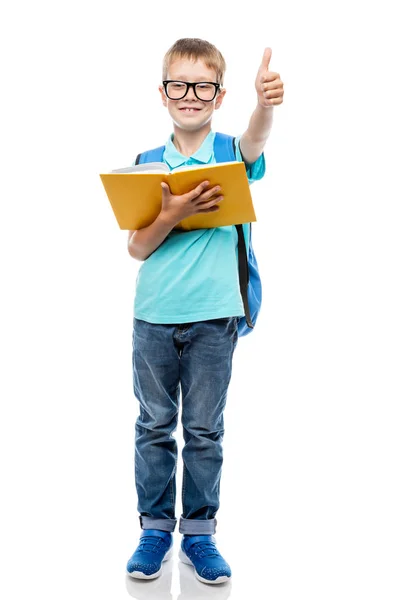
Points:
(164, 186)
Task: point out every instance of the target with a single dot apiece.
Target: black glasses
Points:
(203, 90)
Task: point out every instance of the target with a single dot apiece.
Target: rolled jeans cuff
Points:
(197, 526)
(162, 524)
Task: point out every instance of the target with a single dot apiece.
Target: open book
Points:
(135, 193)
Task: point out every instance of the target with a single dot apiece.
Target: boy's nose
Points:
(190, 94)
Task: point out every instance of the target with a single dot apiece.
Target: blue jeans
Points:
(196, 357)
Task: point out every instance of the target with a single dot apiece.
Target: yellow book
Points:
(135, 193)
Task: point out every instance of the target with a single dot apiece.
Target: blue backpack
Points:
(249, 277)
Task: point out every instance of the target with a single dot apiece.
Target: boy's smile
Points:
(189, 109)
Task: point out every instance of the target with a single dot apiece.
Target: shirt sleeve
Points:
(255, 170)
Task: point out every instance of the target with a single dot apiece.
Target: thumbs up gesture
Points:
(268, 84)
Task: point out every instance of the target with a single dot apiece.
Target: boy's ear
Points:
(163, 96)
(219, 98)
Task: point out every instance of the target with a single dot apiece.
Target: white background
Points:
(310, 489)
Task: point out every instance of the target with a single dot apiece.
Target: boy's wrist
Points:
(166, 219)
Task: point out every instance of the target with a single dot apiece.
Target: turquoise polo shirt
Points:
(193, 275)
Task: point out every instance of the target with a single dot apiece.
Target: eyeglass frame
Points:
(193, 85)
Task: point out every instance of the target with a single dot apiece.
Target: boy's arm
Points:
(253, 140)
(269, 88)
(145, 241)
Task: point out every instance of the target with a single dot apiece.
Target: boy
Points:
(187, 307)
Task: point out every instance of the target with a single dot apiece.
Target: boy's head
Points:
(195, 61)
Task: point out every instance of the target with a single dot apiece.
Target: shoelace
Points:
(150, 540)
(203, 549)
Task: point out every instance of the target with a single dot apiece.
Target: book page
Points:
(208, 166)
(154, 167)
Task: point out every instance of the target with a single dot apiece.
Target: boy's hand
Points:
(268, 84)
(176, 208)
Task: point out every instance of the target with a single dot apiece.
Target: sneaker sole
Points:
(185, 559)
(140, 575)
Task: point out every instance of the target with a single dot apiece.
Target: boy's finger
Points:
(200, 188)
(206, 210)
(197, 191)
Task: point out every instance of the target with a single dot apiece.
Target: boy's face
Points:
(187, 70)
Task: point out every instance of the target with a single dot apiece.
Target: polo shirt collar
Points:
(202, 155)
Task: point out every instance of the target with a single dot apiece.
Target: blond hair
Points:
(193, 49)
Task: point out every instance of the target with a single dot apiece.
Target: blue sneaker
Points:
(155, 546)
(201, 552)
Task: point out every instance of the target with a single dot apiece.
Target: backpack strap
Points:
(155, 155)
(244, 274)
(224, 147)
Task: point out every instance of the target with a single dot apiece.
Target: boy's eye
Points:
(201, 86)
